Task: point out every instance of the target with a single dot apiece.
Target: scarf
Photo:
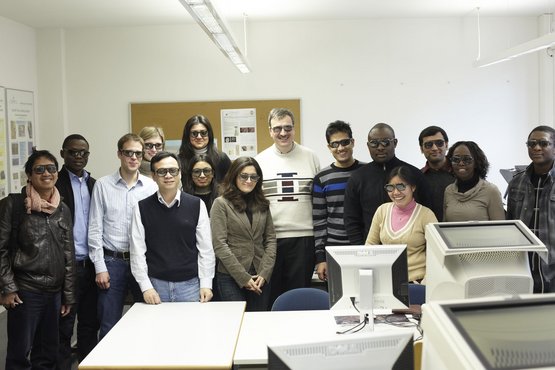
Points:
(33, 201)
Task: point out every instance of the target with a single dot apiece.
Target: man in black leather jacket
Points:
(36, 265)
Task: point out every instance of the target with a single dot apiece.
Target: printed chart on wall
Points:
(239, 132)
(21, 114)
(3, 151)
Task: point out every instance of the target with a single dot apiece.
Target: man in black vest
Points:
(75, 185)
(171, 251)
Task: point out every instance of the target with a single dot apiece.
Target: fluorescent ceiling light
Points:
(543, 42)
(207, 17)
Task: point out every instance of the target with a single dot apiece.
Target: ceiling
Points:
(102, 13)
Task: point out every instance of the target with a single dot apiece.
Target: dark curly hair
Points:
(255, 200)
(481, 164)
(36, 155)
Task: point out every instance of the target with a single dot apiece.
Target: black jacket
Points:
(42, 259)
(66, 191)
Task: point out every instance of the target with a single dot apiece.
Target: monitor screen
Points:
(376, 350)
(388, 264)
(482, 235)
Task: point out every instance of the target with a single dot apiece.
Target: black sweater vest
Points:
(170, 236)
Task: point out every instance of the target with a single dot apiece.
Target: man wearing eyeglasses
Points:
(365, 189)
(112, 202)
(433, 142)
(75, 185)
(328, 194)
(289, 169)
(530, 199)
(173, 228)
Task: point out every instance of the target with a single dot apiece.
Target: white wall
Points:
(407, 72)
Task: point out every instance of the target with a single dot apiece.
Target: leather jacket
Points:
(42, 259)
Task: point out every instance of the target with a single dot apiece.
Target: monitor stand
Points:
(366, 298)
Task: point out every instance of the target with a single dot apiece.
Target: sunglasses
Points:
(343, 143)
(383, 142)
(131, 153)
(202, 133)
(78, 153)
(246, 176)
(277, 129)
(162, 172)
(429, 144)
(198, 171)
(465, 159)
(542, 143)
(390, 187)
(40, 169)
(158, 146)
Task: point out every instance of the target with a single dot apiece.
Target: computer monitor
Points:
(515, 332)
(369, 351)
(372, 277)
(479, 259)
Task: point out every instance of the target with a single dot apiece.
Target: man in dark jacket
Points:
(37, 265)
(365, 190)
(75, 185)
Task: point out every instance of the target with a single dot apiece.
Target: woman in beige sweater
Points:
(403, 221)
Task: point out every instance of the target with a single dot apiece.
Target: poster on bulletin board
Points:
(239, 132)
(21, 117)
(3, 146)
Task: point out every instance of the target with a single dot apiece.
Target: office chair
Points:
(302, 299)
(417, 294)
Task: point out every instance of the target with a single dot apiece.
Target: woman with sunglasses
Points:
(243, 237)
(403, 221)
(154, 143)
(471, 197)
(200, 181)
(198, 138)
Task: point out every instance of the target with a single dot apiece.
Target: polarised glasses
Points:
(246, 176)
(429, 144)
(542, 143)
(344, 143)
(198, 171)
(465, 159)
(390, 187)
(131, 153)
(41, 168)
(158, 146)
(286, 128)
(162, 172)
(202, 133)
(78, 153)
(383, 142)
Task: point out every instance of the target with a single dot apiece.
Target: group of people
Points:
(195, 226)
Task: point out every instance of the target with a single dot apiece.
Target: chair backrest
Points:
(417, 294)
(302, 299)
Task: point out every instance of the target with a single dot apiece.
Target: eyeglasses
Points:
(77, 153)
(131, 153)
(40, 169)
(277, 129)
(162, 172)
(465, 159)
(390, 187)
(429, 144)
(383, 142)
(198, 171)
(246, 176)
(344, 142)
(542, 143)
(203, 133)
(158, 146)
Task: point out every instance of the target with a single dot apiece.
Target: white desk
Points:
(178, 335)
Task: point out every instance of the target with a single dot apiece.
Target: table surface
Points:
(184, 335)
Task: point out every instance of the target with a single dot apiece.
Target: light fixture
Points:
(204, 13)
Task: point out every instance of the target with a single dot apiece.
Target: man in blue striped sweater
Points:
(328, 193)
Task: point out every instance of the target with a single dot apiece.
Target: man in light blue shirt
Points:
(113, 199)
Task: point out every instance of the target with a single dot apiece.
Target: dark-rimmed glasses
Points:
(465, 159)
(78, 153)
(41, 168)
(162, 172)
(383, 142)
(277, 129)
(202, 133)
(131, 153)
(150, 146)
(246, 176)
(429, 144)
(198, 171)
(390, 187)
(542, 143)
(343, 143)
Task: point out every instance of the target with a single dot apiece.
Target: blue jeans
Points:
(177, 291)
(111, 300)
(33, 330)
(230, 291)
